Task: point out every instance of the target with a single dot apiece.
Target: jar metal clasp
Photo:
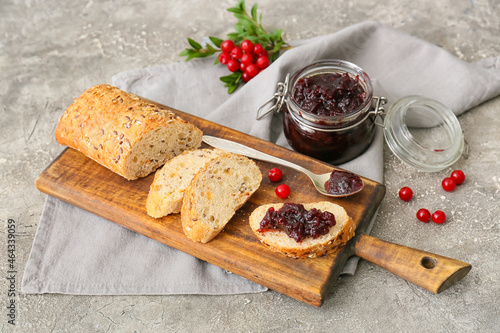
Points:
(279, 96)
(378, 109)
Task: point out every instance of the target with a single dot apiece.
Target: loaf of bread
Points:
(126, 134)
(217, 191)
(279, 241)
(171, 181)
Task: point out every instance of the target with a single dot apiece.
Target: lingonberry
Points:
(275, 175)
(243, 66)
(236, 53)
(438, 217)
(233, 65)
(245, 76)
(282, 191)
(246, 59)
(448, 184)
(227, 46)
(423, 215)
(247, 45)
(262, 62)
(257, 49)
(405, 193)
(252, 70)
(264, 53)
(458, 176)
(224, 57)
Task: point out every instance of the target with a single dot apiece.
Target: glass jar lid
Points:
(423, 133)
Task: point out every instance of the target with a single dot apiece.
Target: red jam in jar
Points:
(327, 114)
(297, 222)
(329, 94)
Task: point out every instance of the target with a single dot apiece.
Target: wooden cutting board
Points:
(78, 180)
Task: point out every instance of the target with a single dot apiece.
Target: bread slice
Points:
(172, 180)
(216, 192)
(279, 241)
(125, 133)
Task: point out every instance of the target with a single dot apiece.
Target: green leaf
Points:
(260, 32)
(210, 49)
(277, 47)
(190, 53)
(264, 39)
(216, 41)
(204, 54)
(254, 39)
(239, 29)
(233, 36)
(248, 25)
(194, 44)
(254, 12)
(274, 56)
(235, 10)
(277, 33)
(240, 17)
(232, 88)
(241, 5)
(185, 52)
(228, 78)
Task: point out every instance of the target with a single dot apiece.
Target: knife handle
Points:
(430, 271)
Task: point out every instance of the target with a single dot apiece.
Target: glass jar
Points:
(332, 138)
(420, 131)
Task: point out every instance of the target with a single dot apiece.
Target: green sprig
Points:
(231, 81)
(248, 26)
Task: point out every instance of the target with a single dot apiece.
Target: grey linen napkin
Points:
(76, 252)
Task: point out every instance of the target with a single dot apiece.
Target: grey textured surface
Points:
(50, 52)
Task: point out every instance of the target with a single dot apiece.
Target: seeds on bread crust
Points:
(125, 127)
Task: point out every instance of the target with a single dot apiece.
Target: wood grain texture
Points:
(78, 180)
(427, 270)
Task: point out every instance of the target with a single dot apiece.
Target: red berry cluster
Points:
(249, 58)
(449, 183)
(424, 215)
(283, 190)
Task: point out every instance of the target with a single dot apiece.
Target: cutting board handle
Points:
(427, 270)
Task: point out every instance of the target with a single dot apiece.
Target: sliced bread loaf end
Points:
(125, 133)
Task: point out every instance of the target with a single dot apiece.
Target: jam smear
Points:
(343, 183)
(329, 94)
(297, 222)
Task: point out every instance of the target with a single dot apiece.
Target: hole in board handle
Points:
(428, 262)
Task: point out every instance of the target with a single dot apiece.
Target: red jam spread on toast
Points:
(297, 222)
